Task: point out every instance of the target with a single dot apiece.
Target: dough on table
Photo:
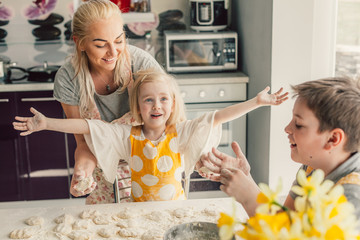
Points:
(34, 220)
(152, 234)
(159, 216)
(182, 212)
(84, 184)
(63, 228)
(127, 223)
(101, 220)
(130, 232)
(81, 224)
(108, 232)
(65, 218)
(126, 213)
(210, 212)
(89, 213)
(80, 235)
(25, 232)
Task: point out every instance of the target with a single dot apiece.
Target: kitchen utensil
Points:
(193, 230)
(42, 73)
(5, 64)
(208, 15)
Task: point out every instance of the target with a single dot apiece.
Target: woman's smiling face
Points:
(306, 142)
(104, 44)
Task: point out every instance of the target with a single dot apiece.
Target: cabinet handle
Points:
(4, 100)
(38, 99)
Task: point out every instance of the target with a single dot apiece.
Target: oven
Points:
(202, 96)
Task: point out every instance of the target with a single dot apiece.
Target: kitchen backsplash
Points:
(34, 31)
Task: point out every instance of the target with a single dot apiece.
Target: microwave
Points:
(188, 51)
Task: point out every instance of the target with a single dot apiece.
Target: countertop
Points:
(182, 79)
(144, 213)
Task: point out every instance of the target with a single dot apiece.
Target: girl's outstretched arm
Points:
(263, 98)
(39, 122)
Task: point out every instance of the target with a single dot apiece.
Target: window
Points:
(348, 38)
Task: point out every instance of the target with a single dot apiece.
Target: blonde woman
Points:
(94, 84)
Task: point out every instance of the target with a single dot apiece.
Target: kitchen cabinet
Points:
(9, 148)
(37, 165)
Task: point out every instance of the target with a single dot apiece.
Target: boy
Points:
(324, 133)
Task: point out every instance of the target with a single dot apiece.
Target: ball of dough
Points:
(84, 184)
(108, 232)
(23, 233)
(63, 228)
(65, 218)
(101, 220)
(80, 235)
(152, 234)
(81, 224)
(34, 220)
(89, 213)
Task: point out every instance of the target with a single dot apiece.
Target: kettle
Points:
(208, 15)
(5, 65)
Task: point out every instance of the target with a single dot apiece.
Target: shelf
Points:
(132, 17)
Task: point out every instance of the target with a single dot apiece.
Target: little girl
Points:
(163, 147)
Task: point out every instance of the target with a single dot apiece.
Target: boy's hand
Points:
(264, 98)
(29, 125)
(217, 160)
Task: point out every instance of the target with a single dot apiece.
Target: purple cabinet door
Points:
(45, 156)
(10, 188)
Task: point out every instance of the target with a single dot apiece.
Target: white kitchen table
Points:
(13, 218)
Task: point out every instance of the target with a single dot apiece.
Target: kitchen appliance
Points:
(189, 51)
(208, 15)
(203, 93)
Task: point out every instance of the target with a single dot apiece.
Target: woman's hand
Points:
(264, 98)
(29, 125)
(81, 183)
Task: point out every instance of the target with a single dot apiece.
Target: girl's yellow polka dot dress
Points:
(155, 170)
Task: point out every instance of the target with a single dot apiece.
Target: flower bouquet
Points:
(321, 212)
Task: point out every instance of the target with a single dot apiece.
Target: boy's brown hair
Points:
(336, 104)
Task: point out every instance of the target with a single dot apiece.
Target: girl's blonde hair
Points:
(152, 75)
(87, 14)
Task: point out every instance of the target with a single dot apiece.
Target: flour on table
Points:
(80, 235)
(84, 184)
(89, 213)
(63, 228)
(25, 232)
(82, 224)
(108, 232)
(35, 220)
(65, 218)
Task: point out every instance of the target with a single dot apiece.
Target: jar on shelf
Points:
(140, 6)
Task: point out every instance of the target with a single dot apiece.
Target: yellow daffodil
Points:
(226, 224)
(322, 212)
(268, 199)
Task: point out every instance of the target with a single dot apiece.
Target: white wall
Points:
(303, 48)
